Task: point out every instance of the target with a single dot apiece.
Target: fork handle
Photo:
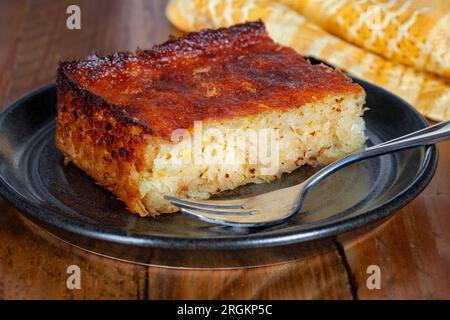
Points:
(423, 137)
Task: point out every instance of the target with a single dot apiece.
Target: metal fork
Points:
(277, 206)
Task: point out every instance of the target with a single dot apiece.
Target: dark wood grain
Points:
(34, 266)
(412, 249)
(12, 14)
(316, 277)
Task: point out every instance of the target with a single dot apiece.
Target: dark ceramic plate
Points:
(72, 207)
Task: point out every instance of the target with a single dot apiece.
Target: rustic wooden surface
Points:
(412, 249)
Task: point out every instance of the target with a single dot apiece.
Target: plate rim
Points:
(43, 215)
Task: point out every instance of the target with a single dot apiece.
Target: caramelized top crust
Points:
(206, 75)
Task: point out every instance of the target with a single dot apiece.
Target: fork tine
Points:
(218, 211)
(217, 219)
(177, 202)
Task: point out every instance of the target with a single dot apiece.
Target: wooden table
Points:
(412, 249)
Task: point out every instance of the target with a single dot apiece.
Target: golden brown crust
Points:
(211, 74)
(111, 151)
